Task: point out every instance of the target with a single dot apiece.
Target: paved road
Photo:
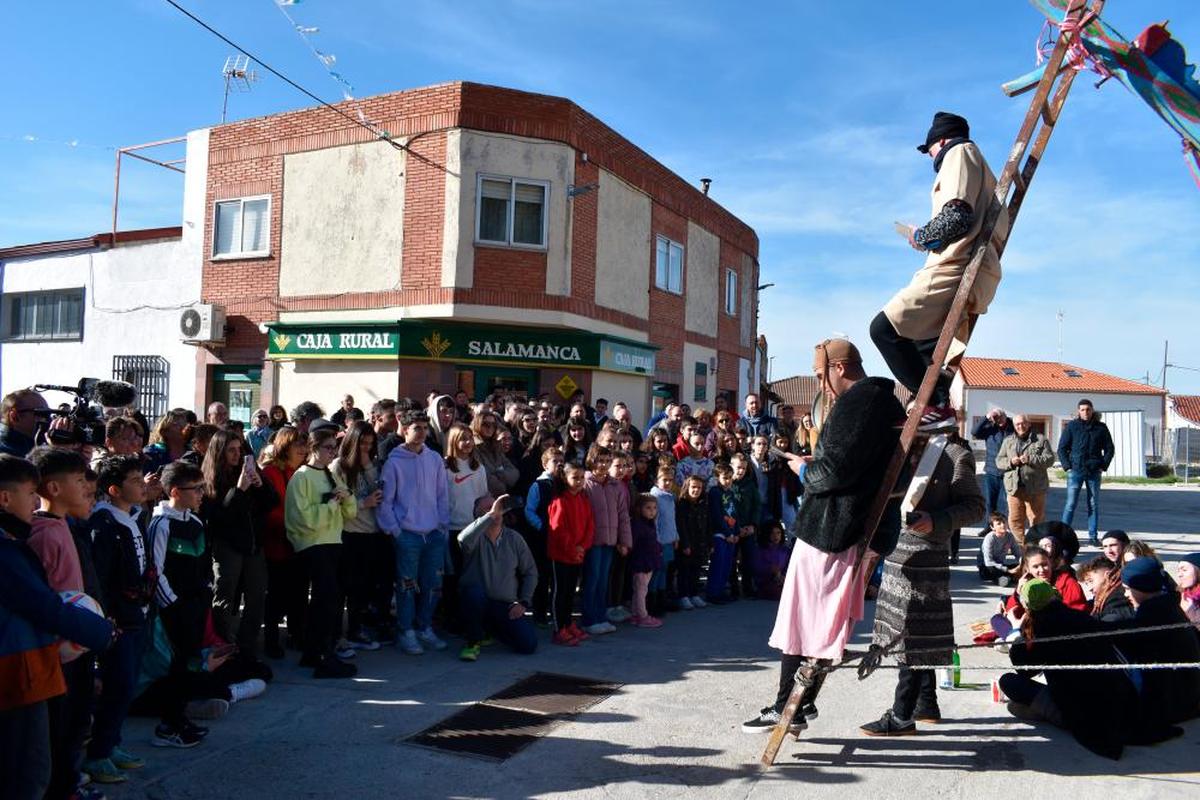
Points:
(673, 731)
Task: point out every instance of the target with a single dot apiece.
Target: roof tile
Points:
(1045, 376)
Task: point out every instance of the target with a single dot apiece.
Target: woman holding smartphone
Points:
(315, 511)
(236, 500)
(368, 560)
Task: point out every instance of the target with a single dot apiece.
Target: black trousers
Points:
(70, 721)
(908, 358)
(366, 572)
(287, 596)
(325, 602)
(564, 585)
(915, 687)
(788, 666)
(536, 541)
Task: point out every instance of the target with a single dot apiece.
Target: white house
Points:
(1048, 393)
(108, 306)
(1183, 434)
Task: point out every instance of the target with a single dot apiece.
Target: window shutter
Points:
(228, 215)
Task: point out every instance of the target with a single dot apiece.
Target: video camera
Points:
(86, 413)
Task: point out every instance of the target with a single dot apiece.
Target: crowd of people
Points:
(180, 559)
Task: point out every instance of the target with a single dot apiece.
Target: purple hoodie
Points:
(415, 495)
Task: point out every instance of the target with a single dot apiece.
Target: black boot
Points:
(271, 646)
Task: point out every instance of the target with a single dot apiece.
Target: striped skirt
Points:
(914, 599)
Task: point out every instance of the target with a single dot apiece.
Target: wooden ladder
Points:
(1039, 123)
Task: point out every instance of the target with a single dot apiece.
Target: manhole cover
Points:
(515, 717)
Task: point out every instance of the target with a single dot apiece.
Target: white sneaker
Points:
(618, 614)
(344, 651)
(608, 627)
(409, 644)
(599, 628)
(686, 604)
(698, 602)
(430, 639)
(247, 689)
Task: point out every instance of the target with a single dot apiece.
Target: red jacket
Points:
(572, 526)
(275, 544)
(1068, 587)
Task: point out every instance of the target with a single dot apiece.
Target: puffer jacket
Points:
(1085, 447)
(610, 506)
(1030, 477)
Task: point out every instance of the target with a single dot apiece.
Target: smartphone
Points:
(379, 485)
(248, 465)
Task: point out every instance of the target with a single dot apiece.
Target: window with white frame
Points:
(668, 265)
(731, 292)
(511, 211)
(44, 316)
(242, 227)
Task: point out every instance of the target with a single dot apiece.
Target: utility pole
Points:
(1165, 364)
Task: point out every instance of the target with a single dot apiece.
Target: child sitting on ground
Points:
(644, 557)
(997, 546)
(772, 563)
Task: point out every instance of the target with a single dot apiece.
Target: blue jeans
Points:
(594, 597)
(995, 499)
(420, 561)
(1075, 481)
(719, 569)
(481, 615)
(660, 582)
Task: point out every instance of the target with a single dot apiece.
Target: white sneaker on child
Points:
(686, 604)
(430, 639)
(698, 602)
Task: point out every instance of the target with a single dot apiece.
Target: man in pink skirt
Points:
(822, 595)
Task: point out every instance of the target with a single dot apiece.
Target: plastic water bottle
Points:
(956, 673)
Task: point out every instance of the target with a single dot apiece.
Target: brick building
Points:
(505, 239)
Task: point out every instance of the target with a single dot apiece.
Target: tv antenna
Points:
(238, 77)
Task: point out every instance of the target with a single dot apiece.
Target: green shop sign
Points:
(461, 343)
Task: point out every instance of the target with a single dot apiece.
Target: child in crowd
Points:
(183, 592)
(64, 492)
(610, 509)
(1062, 576)
(315, 510)
(32, 617)
(725, 527)
(997, 546)
(127, 579)
(643, 476)
(1103, 579)
(620, 587)
(572, 528)
(749, 512)
(537, 527)
(644, 558)
(772, 563)
(692, 525)
(695, 462)
(663, 586)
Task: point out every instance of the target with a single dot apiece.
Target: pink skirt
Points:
(822, 599)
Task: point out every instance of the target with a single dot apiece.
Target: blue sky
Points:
(804, 114)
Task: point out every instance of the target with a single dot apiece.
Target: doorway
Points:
(488, 380)
(239, 388)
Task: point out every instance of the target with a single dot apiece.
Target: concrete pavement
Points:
(673, 731)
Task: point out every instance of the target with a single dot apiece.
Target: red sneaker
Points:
(578, 632)
(565, 638)
(937, 418)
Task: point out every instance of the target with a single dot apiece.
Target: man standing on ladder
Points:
(822, 594)
(906, 331)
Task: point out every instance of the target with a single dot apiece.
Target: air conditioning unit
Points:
(202, 322)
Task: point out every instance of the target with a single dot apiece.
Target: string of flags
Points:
(327, 60)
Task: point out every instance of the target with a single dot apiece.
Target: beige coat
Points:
(919, 310)
(1031, 477)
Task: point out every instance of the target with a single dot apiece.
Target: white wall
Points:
(622, 247)
(1063, 406)
(343, 219)
(115, 282)
(326, 381)
(633, 389)
(687, 391)
(511, 156)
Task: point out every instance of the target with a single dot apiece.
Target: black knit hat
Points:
(945, 126)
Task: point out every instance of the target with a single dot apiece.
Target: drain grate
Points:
(506, 723)
(548, 693)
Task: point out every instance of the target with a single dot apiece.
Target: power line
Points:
(377, 133)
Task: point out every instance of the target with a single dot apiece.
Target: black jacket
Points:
(992, 435)
(849, 461)
(125, 587)
(237, 517)
(1085, 447)
(1169, 696)
(13, 442)
(692, 525)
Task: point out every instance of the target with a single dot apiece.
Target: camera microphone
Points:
(114, 394)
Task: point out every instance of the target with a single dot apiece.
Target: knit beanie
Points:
(1037, 594)
(1143, 574)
